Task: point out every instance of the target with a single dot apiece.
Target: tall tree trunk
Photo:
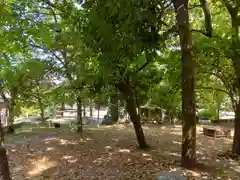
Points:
(62, 109)
(11, 114)
(98, 111)
(79, 115)
(236, 65)
(218, 110)
(236, 138)
(4, 168)
(84, 110)
(91, 108)
(12, 105)
(114, 113)
(131, 105)
(188, 155)
(171, 117)
(168, 116)
(234, 11)
(41, 108)
(7, 108)
(54, 111)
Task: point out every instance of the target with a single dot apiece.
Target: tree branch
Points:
(165, 36)
(172, 30)
(50, 7)
(214, 89)
(38, 13)
(194, 6)
(229, 7)
(199, 31)
(162, 22)
(221, 77)
(58, 58)
(46, 49)
(54, 15)
(208, 19)
(205, 34)
(53, 5)
(148, 61)
(224, 80)
(221, 90)
(38, 46)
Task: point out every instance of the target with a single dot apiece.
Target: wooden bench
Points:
(216, 132)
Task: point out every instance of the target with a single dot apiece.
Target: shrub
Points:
(207, 114)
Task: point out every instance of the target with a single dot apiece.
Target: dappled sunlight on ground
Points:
(70, 159)
(51, 139)
(110, 153)
(40, 166)
(50, 149)
(124, 150)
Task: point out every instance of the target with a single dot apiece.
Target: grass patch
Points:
(28, 129)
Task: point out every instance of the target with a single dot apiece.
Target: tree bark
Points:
(234, 11)
(236, 138)
(5, 99)
(79, 115)
(171, 117)
(236, 65)
(41, 108)
(11, 110)
(4, 167)
(188, 155)
(2, 134)
(98, 111)
(62, 109)
(114, 113)
(131, 105)
(84, 110)
(218, 110)
(91, 109)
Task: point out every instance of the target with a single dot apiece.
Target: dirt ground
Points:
(109, 153)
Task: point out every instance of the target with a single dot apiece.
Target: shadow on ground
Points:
(109, 152)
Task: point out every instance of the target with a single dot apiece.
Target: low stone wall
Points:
(222, 121)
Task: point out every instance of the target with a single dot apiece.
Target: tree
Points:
(118, 39)
(39, 92)
(58, 41)
(17, 79)
(188, 157)
(225, 67)
(79, 114)
(233, 8)
(4, 168)
(188, 94)
(166, 92)
(215, 76)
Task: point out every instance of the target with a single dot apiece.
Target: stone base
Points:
(170, 176)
